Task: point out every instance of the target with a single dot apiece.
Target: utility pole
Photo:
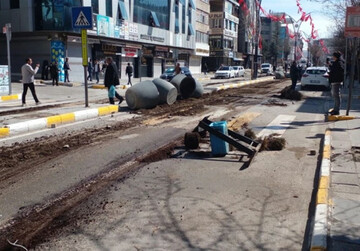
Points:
(8, 38)
(255, 72)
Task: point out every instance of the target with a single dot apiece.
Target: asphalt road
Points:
(191, 201)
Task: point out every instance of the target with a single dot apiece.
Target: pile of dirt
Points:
(272, 143)
(288, 93)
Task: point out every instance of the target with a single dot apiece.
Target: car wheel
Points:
(302, 87)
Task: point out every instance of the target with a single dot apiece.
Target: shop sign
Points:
(147, 52)
(152, 38)
(129, 52)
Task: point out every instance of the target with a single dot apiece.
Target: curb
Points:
(239, 84)
(10, 97)
(97, 86)
(319, 237)
(53, 121)
(340, 117)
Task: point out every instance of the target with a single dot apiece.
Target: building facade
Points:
(223, 39)
(202, 48)
(151, 35)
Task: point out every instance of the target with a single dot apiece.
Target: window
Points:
(109, 8)
(191, 4)
(122, 13)
(154, 21)
(202, 17)
(14, 4)
(183, 18)
(54, 15)
(95, 6)
(177, 25)
(202, 37)
(143, 8)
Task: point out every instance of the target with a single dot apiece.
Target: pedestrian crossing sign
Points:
(82, 18)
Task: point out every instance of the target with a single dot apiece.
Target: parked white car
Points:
(318, 76)
(267, 68)
(239, 71)
(225, 72)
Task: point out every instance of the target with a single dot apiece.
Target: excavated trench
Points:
(34, 222)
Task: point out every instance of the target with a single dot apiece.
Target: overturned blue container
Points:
(219, 147)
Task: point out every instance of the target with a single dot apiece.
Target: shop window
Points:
(14, 4)
(154, 21)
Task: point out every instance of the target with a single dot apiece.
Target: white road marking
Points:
(130, 136)
(277, 126)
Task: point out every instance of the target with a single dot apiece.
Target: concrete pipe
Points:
(184, 84)
(199, 90)
(142, 95)
(167, 92)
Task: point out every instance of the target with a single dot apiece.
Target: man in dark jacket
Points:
(111, 80)
(336, 77)
(129, 72)
(294, 73)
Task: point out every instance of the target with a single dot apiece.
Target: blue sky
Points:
(321, 21)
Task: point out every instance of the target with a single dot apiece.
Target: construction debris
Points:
(288, 93)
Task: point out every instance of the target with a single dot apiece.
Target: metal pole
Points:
(346, 60)
(8, 38)
(352, 73)
(257, 41)
(85, 62)
(86, 89)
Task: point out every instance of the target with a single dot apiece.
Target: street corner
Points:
(320, 228)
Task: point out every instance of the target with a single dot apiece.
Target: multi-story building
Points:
(148, 34)
(247, 32)
(275, 40)
(224, 21)
(202, 48)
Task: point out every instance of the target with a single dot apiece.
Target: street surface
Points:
(86, 186)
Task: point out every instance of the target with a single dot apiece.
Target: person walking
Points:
(111, 80)
(336, 77)
(177, 69)
(90, 70)
(54, 71)
(294, 74)
(129, 72)
(205, 68)
(96, 70)
(67, 69)
(28, 74)
(45, 70)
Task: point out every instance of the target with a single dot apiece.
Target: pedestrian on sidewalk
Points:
(336, 77)
(129, 72)
(67, 69)
(90, 70)
(54, 71)
(293, 75)
(28, 74)
(177, 69)
(111, 80)
(205, 68)
(45, 70)
(96, 70)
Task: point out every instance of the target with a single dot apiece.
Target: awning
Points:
(191, 4)
(122, 11)
(154, 19)
(191, 30)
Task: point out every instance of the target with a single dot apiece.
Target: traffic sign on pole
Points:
(82, 18)
(84, 47)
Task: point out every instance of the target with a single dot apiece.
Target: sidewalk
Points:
(344, 190)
